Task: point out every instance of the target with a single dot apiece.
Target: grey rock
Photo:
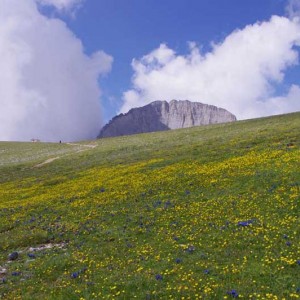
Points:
(161, 115)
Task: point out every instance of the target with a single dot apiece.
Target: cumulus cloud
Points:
(240, 74)
(48, 85)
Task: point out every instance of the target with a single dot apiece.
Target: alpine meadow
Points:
(209, 212)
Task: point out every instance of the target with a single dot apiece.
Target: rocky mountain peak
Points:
(163, 115)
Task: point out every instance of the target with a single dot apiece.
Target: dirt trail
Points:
(82, 146)
(48, 161)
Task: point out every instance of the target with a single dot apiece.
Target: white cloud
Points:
(293, 9)
(48, 86)
(61, 4)
(285, 104)
(239, 74)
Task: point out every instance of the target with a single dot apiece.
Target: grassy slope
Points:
(155, 216)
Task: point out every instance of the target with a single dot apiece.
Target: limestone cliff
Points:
(161, 115)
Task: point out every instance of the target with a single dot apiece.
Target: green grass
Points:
(155, 216)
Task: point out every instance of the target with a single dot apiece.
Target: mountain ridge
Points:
(163, 115)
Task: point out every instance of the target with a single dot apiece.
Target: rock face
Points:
(161, 115)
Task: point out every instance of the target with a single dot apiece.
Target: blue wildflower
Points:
(233, 293)
(74, 275)
(178, 260)
(13, 255)
(157, 203)
(158, 277)
(190, 249)
(245, 223)
(206, 271)
(31, 255)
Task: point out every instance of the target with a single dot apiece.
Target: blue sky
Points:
(130, 29)
(69, 66)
